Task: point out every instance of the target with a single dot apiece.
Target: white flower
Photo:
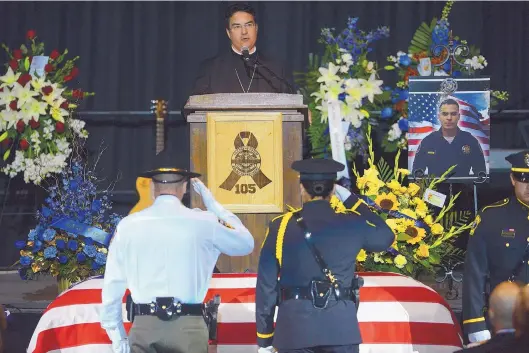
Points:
(23, 94)
(77, 125)
(372, 87)
(392, 59)
(394, 133)
(347, 144)
(440, 73)
(328, 75)
(9, 78)
(370, 66)
(33, 109)
(6, 97)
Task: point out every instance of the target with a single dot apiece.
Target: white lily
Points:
(23, 94)
(9, 78)
(372, 87)
(328, 75)
(6, 97)
(35, 109)
(10, 118)
(355, 90)
(58, 113)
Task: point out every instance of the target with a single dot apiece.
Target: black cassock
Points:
(228, 72)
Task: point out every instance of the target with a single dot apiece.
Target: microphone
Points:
(273, 74)
(245, 53)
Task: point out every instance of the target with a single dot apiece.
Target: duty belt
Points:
(306, 293)
(167, 308)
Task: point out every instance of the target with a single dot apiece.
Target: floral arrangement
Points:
(36, 124)
(63, 244)
(344, 74)
(424, 234)
(422, 46)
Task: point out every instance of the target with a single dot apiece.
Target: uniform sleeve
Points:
(114, 287)
(478, 158)
(231, 236)
(474, 279)
(202, 80)
(3, 319)
(421, 157)
(267, 288)
(378, 235)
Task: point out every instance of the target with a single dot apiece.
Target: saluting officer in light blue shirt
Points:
(165, 256)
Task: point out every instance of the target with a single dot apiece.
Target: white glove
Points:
(479, 336)
(268, 349)
(341, 192)
(120, 342)
(203, 191)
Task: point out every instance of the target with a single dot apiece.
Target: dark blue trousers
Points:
(353, 348)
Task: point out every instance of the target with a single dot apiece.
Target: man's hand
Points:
(268, 349)
(203, 191)
(479, 336)
(120, 342)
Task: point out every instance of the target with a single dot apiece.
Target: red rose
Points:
(34, 124)
(77, 94)
(21, 126)
(74, 72)
(23, 79)
(47, 90)
(13, 64)
(67, 78)
(17, 54)
(59, 127)
(31, 34)
(54, 54)
(64, 105)
(7, 142)
(23, 144)
(13, 105)
(1, 89)
(49, 68)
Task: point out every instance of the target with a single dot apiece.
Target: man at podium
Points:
(242, 68)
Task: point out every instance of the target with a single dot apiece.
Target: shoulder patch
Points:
(475, 224)
(496, 204)
(227, 225)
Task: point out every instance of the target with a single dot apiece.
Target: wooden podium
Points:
(243, 145)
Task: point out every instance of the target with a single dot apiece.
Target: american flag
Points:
(423, 120)
(397, 314)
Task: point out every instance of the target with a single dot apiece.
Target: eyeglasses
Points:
(238, 27)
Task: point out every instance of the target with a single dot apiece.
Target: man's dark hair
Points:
(449, 101)
(239, 7)
(318, 188)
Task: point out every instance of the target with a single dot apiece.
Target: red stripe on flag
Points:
(414, 142)
(420, 130)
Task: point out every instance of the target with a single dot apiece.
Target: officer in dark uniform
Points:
(316, 311)
(498, 247)
(450, 146)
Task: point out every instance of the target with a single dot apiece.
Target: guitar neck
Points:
(160, 135)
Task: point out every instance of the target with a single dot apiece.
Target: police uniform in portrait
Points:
(450, 146)
(314, 251)
(165, 256)
(498, 248)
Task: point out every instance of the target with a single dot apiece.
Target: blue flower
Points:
(81, 257)
(72, 245)
(90, 250)
(95, 266)
(20, 244)
(63, 259)
(386, 113)
(101, 258)
(46, 212)
(25, 260)
(96, 205)
(61, 244)
(49, 234)
(37, 245)
(342, 96)
(88, 241)
(403, 124)
(23, 273)
(32, 234)
(50, 252)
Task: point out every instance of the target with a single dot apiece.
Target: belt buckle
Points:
(320, 292)
(165, 308)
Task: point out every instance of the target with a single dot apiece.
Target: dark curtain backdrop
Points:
(132, 52)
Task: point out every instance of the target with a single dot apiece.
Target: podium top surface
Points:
(220, 101)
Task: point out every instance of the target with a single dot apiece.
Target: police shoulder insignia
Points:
(227, 225)
(475, 224)
(496, 204)
(466, 149)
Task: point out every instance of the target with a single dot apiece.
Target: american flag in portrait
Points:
(423, 118)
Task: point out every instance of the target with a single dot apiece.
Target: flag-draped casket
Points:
(396, 314)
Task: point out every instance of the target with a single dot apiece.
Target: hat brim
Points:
(522, 177)
(176, 171)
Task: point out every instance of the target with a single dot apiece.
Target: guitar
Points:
(143, 185)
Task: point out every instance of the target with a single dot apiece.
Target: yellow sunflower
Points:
(417, 234)
(362, 256)
(420, 207)
(400, 261)
(387, 202)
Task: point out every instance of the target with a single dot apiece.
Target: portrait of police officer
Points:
(165, 255)
(316, 313)
(497, 248)
(450, 146)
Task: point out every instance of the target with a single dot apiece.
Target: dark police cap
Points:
(317, 168)
(519, 165)
(163, 170)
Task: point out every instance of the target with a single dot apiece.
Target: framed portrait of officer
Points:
(245, 160)
(449, 126)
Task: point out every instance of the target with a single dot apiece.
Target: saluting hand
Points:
(203, 191)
